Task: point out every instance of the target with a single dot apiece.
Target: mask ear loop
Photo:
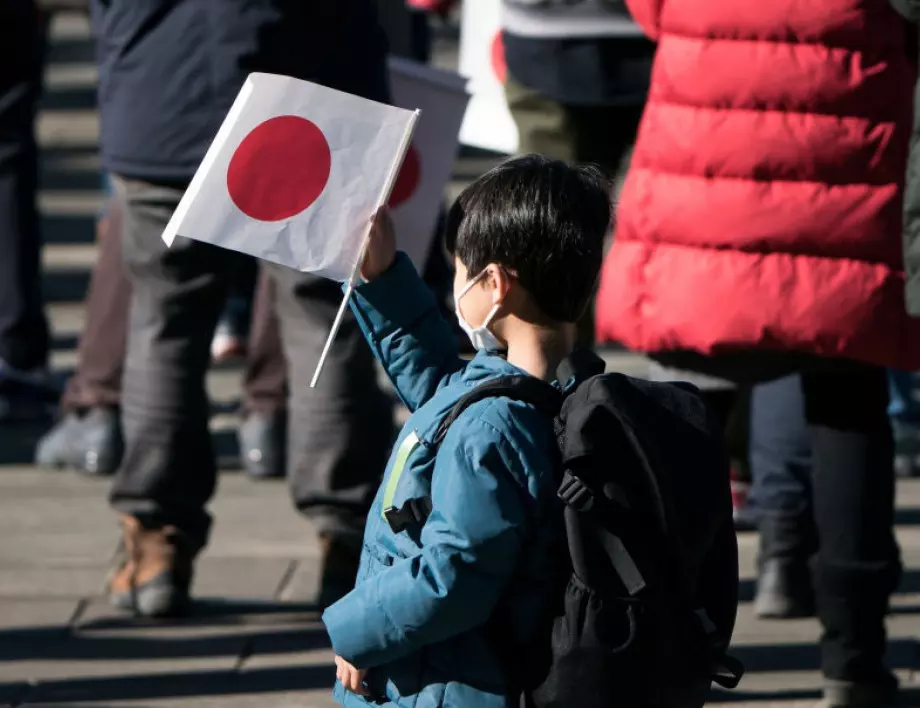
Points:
(491, 316)
(497, 306)
(469, 286)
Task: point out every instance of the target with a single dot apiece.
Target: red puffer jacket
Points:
(762, 209)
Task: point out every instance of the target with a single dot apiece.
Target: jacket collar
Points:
(581, 365)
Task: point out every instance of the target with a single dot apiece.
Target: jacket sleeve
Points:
(647, 14)
(910, 9)
(470, 545)
(406, 332)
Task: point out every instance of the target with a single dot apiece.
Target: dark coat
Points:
(911, 10)
(170, 69)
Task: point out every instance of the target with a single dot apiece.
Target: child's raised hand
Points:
(350, 677)
(381, 250)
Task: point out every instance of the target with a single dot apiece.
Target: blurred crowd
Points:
(768, 208)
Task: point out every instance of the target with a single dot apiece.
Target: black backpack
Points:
(647, 600)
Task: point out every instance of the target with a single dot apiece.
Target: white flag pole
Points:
(356, 271)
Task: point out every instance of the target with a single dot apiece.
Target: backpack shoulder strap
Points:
(527, 389)
(519, 388)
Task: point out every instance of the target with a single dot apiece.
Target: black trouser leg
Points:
(23, 328)
(857, 565)
(781, 466)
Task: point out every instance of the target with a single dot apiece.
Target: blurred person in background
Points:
(910, 9)
(169, 71)
(904, 411)
(578, 77)
(757, 238)
(26, 389)
(905, 408)
(577, 80)
(88, 436)
(230, 340)
(407, 29)
(262, 433)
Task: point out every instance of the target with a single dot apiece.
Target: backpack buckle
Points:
(414, 512)
(575, 493)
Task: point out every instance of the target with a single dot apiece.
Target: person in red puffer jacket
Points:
(759, 234)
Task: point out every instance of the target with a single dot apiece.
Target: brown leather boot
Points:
(340, 561)
(154, 573)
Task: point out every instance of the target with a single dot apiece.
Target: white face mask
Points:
(481, 337)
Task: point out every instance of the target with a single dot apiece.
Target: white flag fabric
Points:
(295, 175)
(418, 194)
(488, 123)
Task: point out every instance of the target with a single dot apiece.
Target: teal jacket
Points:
(417, 618)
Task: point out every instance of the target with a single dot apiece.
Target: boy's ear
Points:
(499, 282)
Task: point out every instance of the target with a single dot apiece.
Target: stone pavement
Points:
(254, 639)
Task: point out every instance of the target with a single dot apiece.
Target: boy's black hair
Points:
(542, 219)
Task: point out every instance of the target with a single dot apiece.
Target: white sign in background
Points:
(488, 123)
(419, 192)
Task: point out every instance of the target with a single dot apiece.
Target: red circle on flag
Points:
(279, 169)
(499, 66)
(410, 174)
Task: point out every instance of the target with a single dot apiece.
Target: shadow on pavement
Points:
(910, 584)
(68, 229)
(71, 51)
(189, 684)
(48, 644)
(256, 631)
(215, 612)
(908, 696)
(907, 517)
(66, 99)
(902, 654)
(18, 442)
(65, 285)
(64, 342)
(58, 177)
(767, 697)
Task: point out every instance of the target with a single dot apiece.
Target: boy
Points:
(418, 628)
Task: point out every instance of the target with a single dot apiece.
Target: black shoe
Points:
(91, 444)
(784, 584)
(262, 440)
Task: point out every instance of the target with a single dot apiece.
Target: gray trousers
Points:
(339, 433)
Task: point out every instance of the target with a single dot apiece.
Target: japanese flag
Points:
(488, 123)
(295, 174)
(419, 192)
